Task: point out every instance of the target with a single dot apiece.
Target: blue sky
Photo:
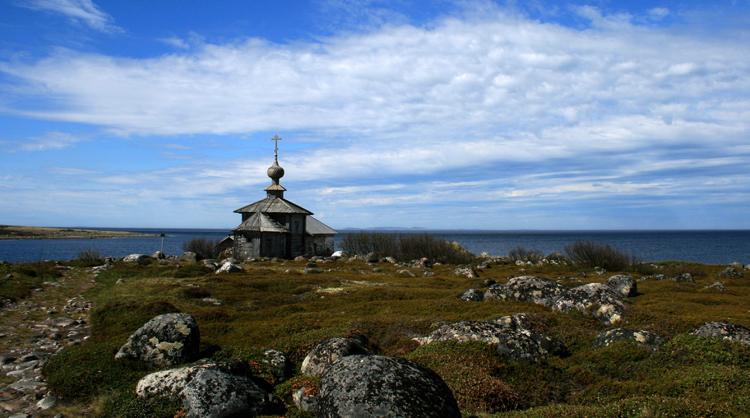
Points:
(442, 114)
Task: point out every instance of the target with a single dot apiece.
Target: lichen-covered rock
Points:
(737, 265)
(623, 284)
(527, 289)
(229, 267)
(466, 271)
(173, 381)
(380, 386)
(278, 364)
(515, 321)
(643, 338)
(188, 256)
(327, 351)
(723, 330)
(141, 259)
(371, 258)
(472, 295)
(422, 263)
(214, 394)
(516, 344)
(304, 400)
(166, 340)
(718, 286)
(595, 299)
(683, 278)
(657, 276)
(731, 272)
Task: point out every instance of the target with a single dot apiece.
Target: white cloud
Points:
(80, 11)
(658, 13)
(50, 140)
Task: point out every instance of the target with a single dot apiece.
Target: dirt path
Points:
(32, 330)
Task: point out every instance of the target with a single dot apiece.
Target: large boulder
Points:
(623, 284)
(166, 340)
(327, 351)
(141, 259)
(379, 386)
(215, 394)
(188, 256)
(643, 338)
(595, 299)
(516, 344)
(230, 267)
(472, 295)
(731, 273)
(527, 289)
(723, 330)
(466, 271)
(683, 278)
(173, 381)
(516, 321)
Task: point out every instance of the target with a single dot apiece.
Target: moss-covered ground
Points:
(273, 305)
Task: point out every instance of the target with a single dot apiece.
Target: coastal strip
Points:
(10, 232)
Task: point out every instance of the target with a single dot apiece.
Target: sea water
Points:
(711, 247)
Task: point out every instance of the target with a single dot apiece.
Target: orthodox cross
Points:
(276, 150)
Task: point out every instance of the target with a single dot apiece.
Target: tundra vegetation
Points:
(273, 305)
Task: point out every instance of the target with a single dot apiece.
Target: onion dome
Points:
(275, 172)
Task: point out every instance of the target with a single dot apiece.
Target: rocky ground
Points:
(34, 329)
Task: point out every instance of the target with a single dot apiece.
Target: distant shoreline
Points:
(12, 232)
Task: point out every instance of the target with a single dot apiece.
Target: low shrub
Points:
(520, 253)
(406, 247)
(592, 254)
(89, 256)
(203, 247)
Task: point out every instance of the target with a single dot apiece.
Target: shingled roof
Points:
(259, 222)
(273, 205)
(315, 227)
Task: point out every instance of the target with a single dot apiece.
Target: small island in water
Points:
(10, 232)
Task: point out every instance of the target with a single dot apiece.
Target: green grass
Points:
(268, 307)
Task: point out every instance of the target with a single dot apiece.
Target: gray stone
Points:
(515, 343)
(683, 278)
(466, 271)
(278, 365)
(405, 272)
(46, 403)
(515, 321)
(327, 351)
(379, 386)
(371, 258)
(188, 256)
(166, 340)
(643, 338)
(723, 330)
(737, 265)
(731, 272)
(595, 299)
(173, 381)
(526, 289)
(623, 284)
(304, 400)
(472, 295)
(214, 394)
(312, 270)
(719, 286)
(230, 268)
(141, 259)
